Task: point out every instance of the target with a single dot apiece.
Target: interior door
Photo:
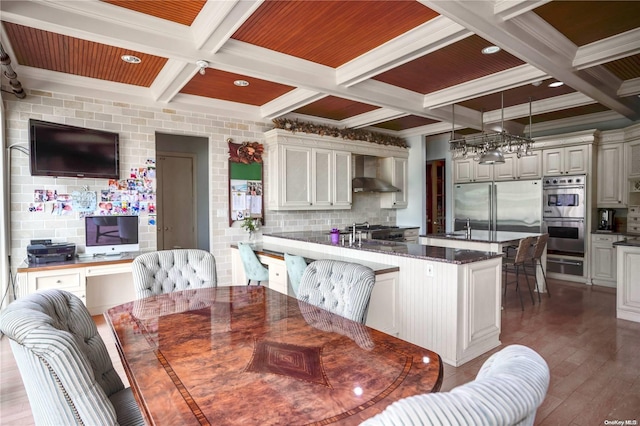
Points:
(176, 200)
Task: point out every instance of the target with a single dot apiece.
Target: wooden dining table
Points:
(249, 355)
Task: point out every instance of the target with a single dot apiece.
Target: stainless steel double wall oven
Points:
(563, 214)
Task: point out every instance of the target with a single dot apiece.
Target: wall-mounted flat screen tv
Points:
(69, 151)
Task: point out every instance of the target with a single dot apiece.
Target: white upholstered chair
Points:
(341, 288)
(166, 271)
(508, 389)
(64, 364)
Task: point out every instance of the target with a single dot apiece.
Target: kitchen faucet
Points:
(353, 229)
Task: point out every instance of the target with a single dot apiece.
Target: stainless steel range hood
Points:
(366, 179)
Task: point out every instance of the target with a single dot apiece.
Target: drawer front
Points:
(633, 211)
(70, 282)
(633, 228)
(603, 239)
(278, 277)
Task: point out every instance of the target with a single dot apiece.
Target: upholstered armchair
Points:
(341, 288)
(508, 389)
(253, 269)
(64, 364)
(167, 271)
(295, 268)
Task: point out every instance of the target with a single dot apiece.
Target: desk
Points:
(100, 282)
(250, 355)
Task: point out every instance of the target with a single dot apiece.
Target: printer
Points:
(44, 251)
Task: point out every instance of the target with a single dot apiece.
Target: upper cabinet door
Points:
(507, 170)
(530, 166)
(342, 182)
(462, 170)
(395, 171)
(295, 176)
(565, 160)
(322, 177)
(611, 180)
(632, 154)
(575, 160)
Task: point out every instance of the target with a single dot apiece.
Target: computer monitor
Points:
(111, 235)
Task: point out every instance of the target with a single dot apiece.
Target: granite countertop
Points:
(629, 242)
(484, 236)
(438, 254)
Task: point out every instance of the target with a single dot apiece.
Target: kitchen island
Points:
(628, 283)
(493, 241)
(448, 300)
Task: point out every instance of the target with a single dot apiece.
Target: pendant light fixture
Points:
(489, 148)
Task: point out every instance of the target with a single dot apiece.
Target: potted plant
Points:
(251, 225)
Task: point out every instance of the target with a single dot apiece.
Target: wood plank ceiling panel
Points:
(584, 22)
(626, 68)
(180, 11)
(405, 123)
(61, 53)
(449, 66)
(335, 108)
(330, 33)
(517, 96)
(220, 85)
(565, 113)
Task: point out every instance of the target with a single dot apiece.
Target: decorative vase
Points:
(252, 236)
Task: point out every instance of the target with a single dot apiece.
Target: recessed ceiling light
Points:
(130, 59)
(241, 83)
(556, 84)
(490, 49)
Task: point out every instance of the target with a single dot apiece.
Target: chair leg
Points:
(546, 284)
(526, 276)
(248, 282)
(535, 276)
(518, 286)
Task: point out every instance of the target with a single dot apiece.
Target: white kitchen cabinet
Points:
(395, 171)
(469, 170)
(525, 167)
(305, 178)
(565, 160)
(603, 259)
(632, 155)
(612, 183)
(633, 220)
(383, 313)
(99, 283)
(628, 291)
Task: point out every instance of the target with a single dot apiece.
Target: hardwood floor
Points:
(594, 358)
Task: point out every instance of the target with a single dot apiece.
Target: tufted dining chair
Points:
(508, 389)
(342, 288)
(166, 271)
(64, 364)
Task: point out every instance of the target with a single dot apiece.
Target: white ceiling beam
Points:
(289, 102)
(219, 20)
(171, 79)
(543, 106)
(533, 40)
(494, 83)
(426, 38)
(508, 9)
(607, 50)
(630, 87)
(370, 118)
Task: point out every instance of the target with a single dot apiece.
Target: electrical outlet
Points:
(429, 269)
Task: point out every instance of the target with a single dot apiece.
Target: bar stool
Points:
(538, 249)
(523, 256)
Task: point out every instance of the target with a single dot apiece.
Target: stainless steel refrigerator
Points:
(499, 206)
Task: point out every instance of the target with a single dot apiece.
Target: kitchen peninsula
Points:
(628, 271)
(493, 241)
(448, 299)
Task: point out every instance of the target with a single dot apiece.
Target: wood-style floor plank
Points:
(594, 358)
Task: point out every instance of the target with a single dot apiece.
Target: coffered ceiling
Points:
(402, 67)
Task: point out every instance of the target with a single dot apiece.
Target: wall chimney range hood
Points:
(366, 179)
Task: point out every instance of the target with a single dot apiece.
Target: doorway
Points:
(182, 169)
(436, 197)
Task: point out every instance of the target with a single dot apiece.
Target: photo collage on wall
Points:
(131, 196)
